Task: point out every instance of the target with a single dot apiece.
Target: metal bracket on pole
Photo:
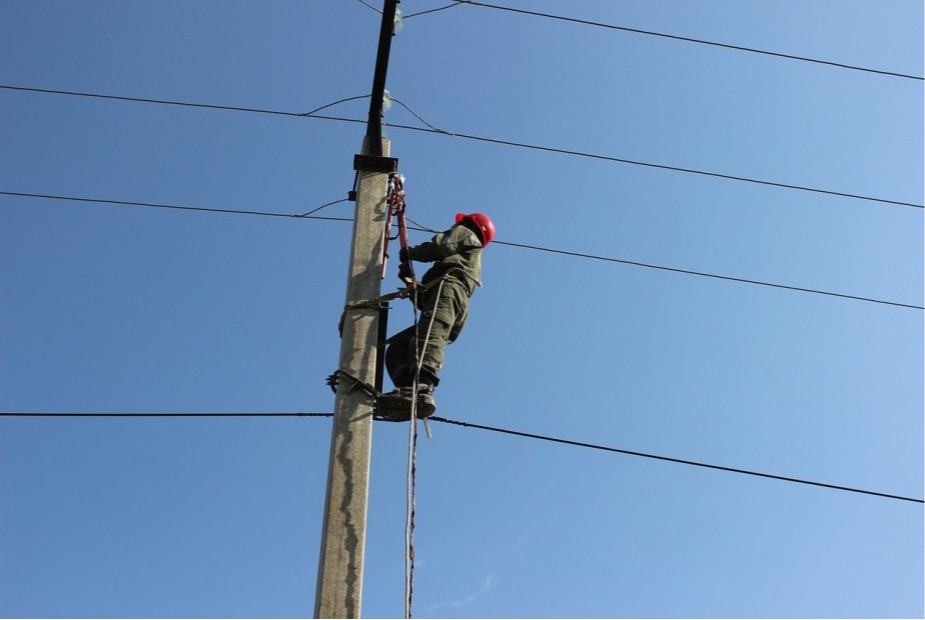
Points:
(371, 163)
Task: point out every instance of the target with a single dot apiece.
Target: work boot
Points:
(395, 405)
(426, 403)
(399, 393)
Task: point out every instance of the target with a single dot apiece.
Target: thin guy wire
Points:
(391, 98)
(504, 431)
(417, 116)
(370, 6)
(689, 39)
(442, 8)
(449, 6)
(334, 103)
(471, 137)
(498, 242)
(324, 206)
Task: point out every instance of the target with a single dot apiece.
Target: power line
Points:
(497, 242)
(287, 414)
(186, 104)
(579, 444)
(735, 470)
(686, 39)
(432, 129)
(155, 205)
(719, 175)
(710, 275)
(522, 145)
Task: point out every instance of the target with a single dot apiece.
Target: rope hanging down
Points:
(406, 272)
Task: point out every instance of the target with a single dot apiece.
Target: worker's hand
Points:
(405, 273)
(403, 255)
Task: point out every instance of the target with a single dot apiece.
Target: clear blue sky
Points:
(109, 308)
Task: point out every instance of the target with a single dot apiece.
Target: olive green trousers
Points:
(445, 310)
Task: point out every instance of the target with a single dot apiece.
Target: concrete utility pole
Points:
(343, 540)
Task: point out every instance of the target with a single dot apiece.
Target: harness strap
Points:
(375, 303)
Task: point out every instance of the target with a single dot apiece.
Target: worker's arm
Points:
(456, 240)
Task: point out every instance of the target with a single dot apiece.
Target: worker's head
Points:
(480, 224)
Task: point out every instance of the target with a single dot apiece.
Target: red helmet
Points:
(482, 222)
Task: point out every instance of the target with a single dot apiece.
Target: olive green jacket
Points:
(457, 249)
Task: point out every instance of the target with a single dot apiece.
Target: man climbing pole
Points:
(443, 297)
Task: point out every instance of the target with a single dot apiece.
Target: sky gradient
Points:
(624, 340)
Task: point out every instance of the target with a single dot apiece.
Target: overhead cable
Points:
(306, 216)
(719, 175)
(579, 444)
(735, 470)
(223, 414)
(498, 242)
(707, 275)
(477, 138)
(187, 104)
(687, 39)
